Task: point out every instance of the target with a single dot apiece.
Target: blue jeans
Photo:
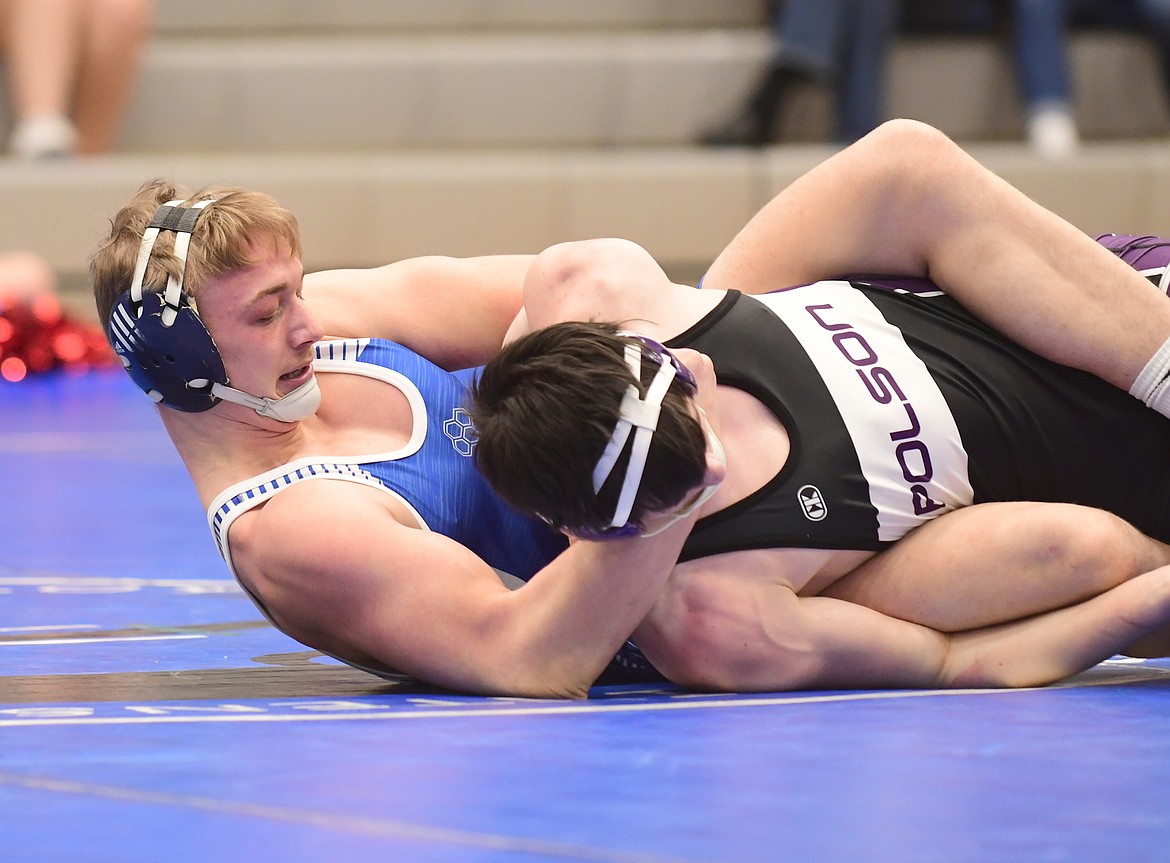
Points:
(1151, 17)
(1040, 31)
(1040, 39)
(846, 42)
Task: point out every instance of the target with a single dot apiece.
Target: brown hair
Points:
(546, 407)
(219, 244)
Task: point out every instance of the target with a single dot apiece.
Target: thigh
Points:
(995, 562)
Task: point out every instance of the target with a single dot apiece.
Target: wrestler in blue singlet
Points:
(433, 475)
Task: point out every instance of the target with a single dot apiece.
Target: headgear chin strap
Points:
(166, 348)
(292, 407)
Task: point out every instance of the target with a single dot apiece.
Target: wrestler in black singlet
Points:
(900, 406)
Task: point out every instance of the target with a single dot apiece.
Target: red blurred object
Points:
(38, 336)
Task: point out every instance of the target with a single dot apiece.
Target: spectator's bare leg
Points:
(115, 33)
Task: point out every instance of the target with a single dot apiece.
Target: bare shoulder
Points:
(313, 529)
(337, 570)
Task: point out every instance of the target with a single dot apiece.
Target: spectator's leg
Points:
(41, 50)
(1155, 23)
(1040, 36)
(864, 53)
(115, 32)
(806, 40)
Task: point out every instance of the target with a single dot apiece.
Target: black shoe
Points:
(747, 128)
(753, 124)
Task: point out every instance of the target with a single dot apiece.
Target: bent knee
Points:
(1096, 547)
(904, 136)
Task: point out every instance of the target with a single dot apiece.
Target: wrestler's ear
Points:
(715, 455)
(716, 469)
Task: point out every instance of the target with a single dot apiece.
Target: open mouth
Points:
(296, 374)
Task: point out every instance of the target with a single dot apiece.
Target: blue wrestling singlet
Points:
(433, 475)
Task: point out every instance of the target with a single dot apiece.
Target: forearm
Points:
(1049, 647)
(574, 615)
(453, 311)
(734, 633)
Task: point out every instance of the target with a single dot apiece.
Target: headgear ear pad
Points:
(161, 340)
(174, 363)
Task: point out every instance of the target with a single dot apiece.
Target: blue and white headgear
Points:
(166, 348)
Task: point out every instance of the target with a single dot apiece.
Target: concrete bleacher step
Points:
(683, 204)
(448, 90)
(288, 75)
(577, 87)
(267, 17)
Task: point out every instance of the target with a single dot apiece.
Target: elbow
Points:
(568, 676)
(566, 266)
(560, 678)
(573, 280)
(545, 686)
(523, 654)
(911, 161)
(910, 143)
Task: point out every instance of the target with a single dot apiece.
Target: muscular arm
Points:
(453, 311)
(905, 200)
(339, 573)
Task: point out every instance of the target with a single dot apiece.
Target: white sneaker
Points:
(43, 138)
(1052, 132)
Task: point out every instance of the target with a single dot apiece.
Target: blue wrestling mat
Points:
(147, 713)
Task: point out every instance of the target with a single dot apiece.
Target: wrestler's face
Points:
(260, 323)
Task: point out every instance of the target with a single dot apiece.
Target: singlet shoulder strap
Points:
(238, 499)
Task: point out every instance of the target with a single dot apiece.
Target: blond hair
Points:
(222, 241)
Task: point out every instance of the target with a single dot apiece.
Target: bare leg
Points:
(995, 562)
(906, 200)
(115, 32)
(42, 47)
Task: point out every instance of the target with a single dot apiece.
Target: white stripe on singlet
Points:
(911, 440)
